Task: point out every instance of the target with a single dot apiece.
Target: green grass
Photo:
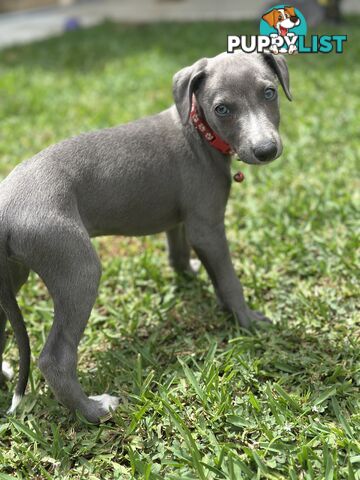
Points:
(201, 399)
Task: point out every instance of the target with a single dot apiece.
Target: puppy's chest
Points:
(208, 180)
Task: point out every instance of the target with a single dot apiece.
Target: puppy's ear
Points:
(290, 11)
(185, 83)
(279, 66)
(270, 18)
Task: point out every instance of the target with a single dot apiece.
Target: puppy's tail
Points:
(11, 308)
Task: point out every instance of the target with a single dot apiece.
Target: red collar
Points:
(207, 132)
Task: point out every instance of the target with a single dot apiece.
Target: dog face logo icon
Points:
(283, 22)
(283, 19)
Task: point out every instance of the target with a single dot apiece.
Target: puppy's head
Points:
(285, 18)
(237, 95)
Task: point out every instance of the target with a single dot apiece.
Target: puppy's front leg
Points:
(210, 243)
(179, 251)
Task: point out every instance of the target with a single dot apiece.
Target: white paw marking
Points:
(15, 403)
(7, 370)
(107, 401)
(195, 264)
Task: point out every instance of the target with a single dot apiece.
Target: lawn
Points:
(201, 398)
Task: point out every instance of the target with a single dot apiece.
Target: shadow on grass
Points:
(284, 351)
(185, 329)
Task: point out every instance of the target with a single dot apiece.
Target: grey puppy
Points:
(152, 175)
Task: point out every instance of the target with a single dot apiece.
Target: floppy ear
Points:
(290, 11)
(184, 84)
(278, 65)
(270, 18)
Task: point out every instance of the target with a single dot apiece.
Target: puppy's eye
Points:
(270, 93)
(222, 110)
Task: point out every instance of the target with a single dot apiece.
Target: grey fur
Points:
(152, 175)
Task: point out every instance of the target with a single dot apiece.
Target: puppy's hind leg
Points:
(19, 274)
(179, 251)
(71, 271)
(6, 371)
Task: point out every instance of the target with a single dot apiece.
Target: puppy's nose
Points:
(265, 152)
(294, 19)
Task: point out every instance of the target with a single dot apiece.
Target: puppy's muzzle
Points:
(265, 152)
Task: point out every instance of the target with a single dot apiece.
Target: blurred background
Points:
(25, 20)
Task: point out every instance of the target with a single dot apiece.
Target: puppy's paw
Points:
(195, 265)
(260, 317)
(107, 404)
(191, 269)
(6, 373)
(107, 401)
(274, 49)
(252, 318)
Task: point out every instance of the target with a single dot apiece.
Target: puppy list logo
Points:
(283, 29)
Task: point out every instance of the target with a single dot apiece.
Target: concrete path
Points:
(25, 27)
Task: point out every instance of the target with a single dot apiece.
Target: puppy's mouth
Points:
(252, 161)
